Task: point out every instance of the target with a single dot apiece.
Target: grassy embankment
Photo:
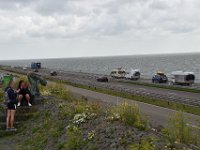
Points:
(145, 99)
(68, 123)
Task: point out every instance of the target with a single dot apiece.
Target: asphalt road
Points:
(113, 84)
(172, 95)
(188, 98)
(157, 115)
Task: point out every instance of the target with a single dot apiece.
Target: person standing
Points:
(11, 106)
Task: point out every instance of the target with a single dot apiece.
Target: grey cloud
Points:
(14, 4)
(49, 7)
(80, 18)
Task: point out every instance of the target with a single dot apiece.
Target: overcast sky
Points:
(76, 28)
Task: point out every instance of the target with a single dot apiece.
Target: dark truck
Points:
(36, 66)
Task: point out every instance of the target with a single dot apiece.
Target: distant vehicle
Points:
(182, 78)
(118, 73)
(53, 73)
(159, 77)
(35, 70)
(36, 65)
(25, 68)
(1, 78)
(134, 74)
(102, 79)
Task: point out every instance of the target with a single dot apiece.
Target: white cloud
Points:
(110, 20)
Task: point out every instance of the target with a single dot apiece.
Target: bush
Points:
(79, 107)
(129, 114)
(75, 141)
(144, 145)
(58, 90)
(177, 129)
(1, 95)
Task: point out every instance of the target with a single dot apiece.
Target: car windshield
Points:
(161, 74)
(121, 72)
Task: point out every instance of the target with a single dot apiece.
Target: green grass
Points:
(145, 144)
(163, 86)
(1, 95)
(57, 121)
(129, 114)
(177, 131)
(145, 99)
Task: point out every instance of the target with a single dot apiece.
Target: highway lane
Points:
(165, 93)
(159, 93)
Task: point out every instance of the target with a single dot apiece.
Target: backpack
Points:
(6, 97)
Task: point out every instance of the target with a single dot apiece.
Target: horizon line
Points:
(123, 55)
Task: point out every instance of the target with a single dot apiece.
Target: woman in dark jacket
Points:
(11, 106)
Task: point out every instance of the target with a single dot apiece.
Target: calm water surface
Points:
(148, 64)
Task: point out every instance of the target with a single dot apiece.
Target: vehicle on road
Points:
(36, 65)
(35, 70)
(118, 73)
(133, 74)
(102, 79)
(182, 78)
(159, 77)
(53, 73)
(25, 68)
(1, 78)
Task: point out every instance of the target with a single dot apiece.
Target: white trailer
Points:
(182, 78)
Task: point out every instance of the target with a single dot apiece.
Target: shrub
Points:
(58, 90)
(60, 146)
(75, 141)
(82, 106)
(78, 107)
(129, 114)
(1, 95)
(144, 145)
(177, 129)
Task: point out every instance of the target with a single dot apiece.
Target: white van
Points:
(118, 73)
(133, 74)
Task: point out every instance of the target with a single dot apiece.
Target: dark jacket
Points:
(11, 94)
